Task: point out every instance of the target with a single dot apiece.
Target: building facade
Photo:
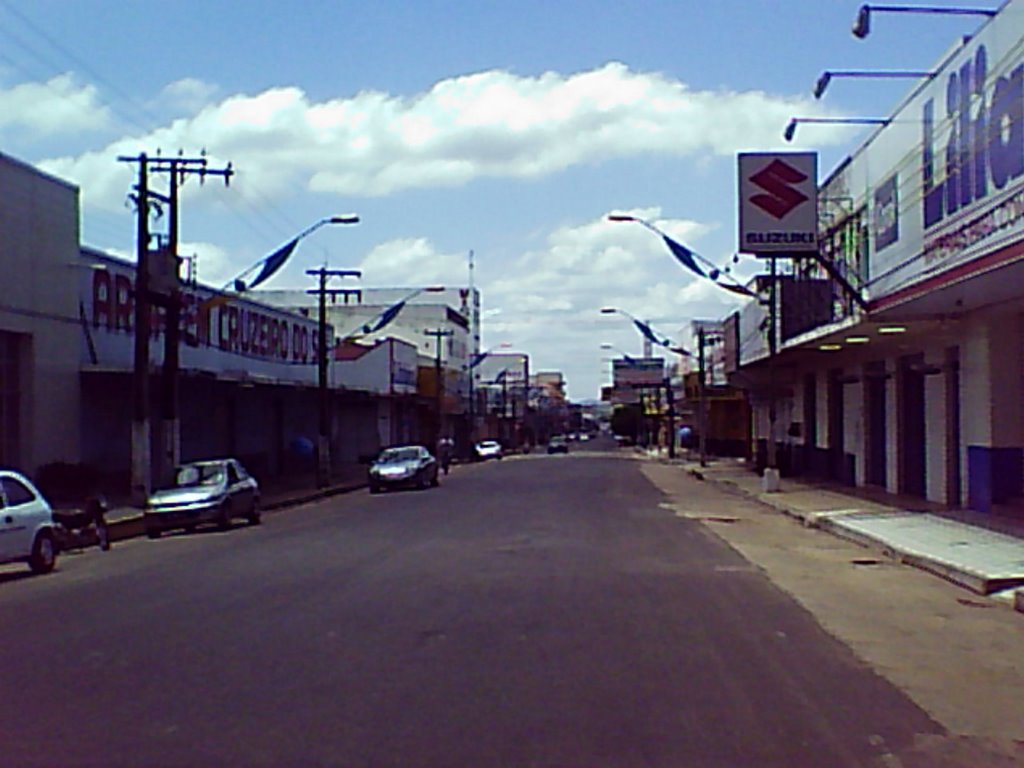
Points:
(907, 373)
(40, 326)
(247, 379)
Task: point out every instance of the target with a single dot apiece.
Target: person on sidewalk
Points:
(444, 453)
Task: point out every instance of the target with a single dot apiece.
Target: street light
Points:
(790, 131)
(648, 333)
(629, 359)
(276, 260)
(826, 77)
(862, 26)
(384, 318)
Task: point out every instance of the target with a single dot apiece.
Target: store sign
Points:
(643, 372)
(219, 333)
(778, 202)
(887, 213)
(943, 181)
(984, 146)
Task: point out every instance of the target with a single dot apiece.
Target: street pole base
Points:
(770, 480)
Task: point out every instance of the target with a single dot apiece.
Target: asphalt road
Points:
(538, 611)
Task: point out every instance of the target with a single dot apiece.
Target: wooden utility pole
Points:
(323, 444)
(141, 478)
(438, 334)
(157, 284)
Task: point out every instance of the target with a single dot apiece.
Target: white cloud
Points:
(489, 124)
(212, 264)
(549, 301)
(61, 105)
(412, 262)
(188, 93)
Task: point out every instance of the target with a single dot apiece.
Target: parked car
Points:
(487, 449)
(26, 524)
(410, 466)
(558, 444)
(214, 491)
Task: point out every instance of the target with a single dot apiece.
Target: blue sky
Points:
(508, 129)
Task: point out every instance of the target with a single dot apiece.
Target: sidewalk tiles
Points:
(977, 558)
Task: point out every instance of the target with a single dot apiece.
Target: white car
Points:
(488, 449)
(26, 524)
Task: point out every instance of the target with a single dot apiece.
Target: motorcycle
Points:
(81, 528)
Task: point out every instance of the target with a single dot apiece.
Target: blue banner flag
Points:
(274, 262)
(648, 332)
(683, 254)
(386, 317)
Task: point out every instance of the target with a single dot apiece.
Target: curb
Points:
(824, 521)
(132, 527)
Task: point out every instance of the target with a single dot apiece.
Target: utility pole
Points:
(671, 409)
(438, 334)
(472, 407)
(169, 297)
(770, 479)
(159, 287)
(141, 480)
(323, 443)
(701, 409)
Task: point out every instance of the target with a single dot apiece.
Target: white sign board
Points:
(232, 338)
(778, 202)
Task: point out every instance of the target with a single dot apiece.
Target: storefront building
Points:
(246, 384)
(907, 374)
(40, 332)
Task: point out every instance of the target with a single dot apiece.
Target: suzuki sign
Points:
(778, 202)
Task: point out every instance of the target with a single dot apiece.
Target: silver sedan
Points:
(204, 492)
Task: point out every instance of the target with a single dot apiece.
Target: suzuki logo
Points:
(777, 179)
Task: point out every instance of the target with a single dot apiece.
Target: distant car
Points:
(406, 465)
(26, 524)
(487, 449)
(558, 444)
(214, 491)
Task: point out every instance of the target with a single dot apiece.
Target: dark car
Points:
(212, 491)
(408, 466)
(558, 444)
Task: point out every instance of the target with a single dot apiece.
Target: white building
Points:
(247, 383)
(912, 381)
(40, 327)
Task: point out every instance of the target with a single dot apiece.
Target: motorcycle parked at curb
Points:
(81, 528)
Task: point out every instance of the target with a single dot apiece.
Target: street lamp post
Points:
(703, 341)
(438, 334)
(826, 77)
(270, 264)
(790, 130)
(862, 26)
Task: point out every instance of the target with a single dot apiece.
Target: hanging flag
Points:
(477, 359)
(738, 289)
(647, 332)
(683, 254)
(386, 317)
(274, 262)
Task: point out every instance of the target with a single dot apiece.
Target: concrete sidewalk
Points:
(983, 558)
